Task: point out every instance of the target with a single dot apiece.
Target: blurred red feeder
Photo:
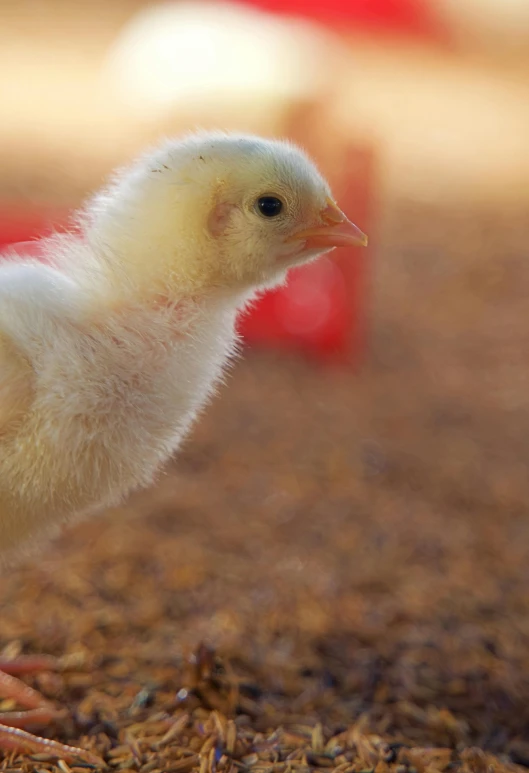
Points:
(418, 18)
(19, 224)
(311, 312)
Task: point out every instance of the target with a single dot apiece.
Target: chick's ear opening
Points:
(218, 218)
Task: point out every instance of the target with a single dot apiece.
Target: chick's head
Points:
(220, 211)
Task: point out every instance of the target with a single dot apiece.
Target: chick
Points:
(114, 341)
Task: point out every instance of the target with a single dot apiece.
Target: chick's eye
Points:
(269, 206)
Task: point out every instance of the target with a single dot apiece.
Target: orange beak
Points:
(336, 231)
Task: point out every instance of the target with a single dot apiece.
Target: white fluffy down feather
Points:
(112, 344)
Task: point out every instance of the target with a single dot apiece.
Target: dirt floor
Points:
(334, 573)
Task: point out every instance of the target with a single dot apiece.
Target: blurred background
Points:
(352, 531)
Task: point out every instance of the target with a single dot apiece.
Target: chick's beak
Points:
(335, 231)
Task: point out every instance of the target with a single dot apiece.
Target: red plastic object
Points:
(19, 224)
(21, 231)
(418, 18)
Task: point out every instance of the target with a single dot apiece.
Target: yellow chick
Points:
(112, 345)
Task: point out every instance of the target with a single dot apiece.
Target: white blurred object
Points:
(207, 53)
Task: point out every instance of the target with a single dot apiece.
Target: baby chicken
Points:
(114, 340)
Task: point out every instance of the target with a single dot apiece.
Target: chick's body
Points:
(108, 403)
(110, 347)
